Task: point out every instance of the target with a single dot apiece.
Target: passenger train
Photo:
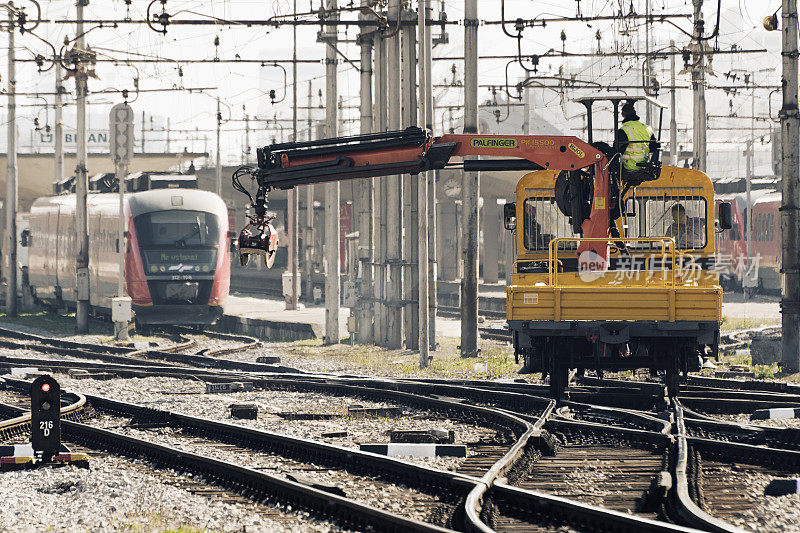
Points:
(177, 258)
(763, 273)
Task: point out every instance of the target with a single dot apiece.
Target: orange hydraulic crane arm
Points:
(413, 150)
(283, 166)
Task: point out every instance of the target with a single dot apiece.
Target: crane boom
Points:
(414, 150)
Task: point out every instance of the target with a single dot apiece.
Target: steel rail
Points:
(776, 437)
(751, 385)
(584, 516)
(113, 353)
(475, 498)
(747, 453)
(687, 509)
(253, 484)
(23, 419)
(623, 415)
(128, 370)
(631, 434)
(248, 343)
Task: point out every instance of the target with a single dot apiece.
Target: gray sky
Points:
(247, 84)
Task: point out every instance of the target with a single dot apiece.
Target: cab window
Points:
(680, 216)
(542, 222)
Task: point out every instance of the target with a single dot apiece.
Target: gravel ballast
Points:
(745, 419)
(366, 489)
(187, 396)
(115, 495)
(745, 485)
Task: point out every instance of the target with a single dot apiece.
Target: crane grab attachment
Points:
(411, 151)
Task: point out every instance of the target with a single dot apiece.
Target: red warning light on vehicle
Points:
(45, 387)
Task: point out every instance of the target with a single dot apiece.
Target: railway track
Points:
(630, 446)
(458, 487)
(223, 478)
(710, 476)
(115, 354)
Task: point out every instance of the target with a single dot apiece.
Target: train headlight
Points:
(153, 268)
(205, 268)
(197, 269)
(162, 268)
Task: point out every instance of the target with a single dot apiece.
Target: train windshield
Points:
(177, 229)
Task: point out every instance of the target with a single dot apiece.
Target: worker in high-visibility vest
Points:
(635, 140)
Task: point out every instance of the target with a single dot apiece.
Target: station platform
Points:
(266, 317)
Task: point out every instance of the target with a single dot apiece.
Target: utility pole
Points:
(431, 179)
(167, 135)
(11, 176)
(332, 217)
(81, 182)
(308, 234)
(673, 109)
(411, 264)
(746, 280)
(58, 131)
(394, 193)
(293, 197)
(470, 189)
(219, 144)
(366, 198)
(143, 123)
(700, 122)
(790, 203)
(648, 63)
(422, 191)
(246, 155)
(380, 121)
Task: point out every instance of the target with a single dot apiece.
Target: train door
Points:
(38, 257)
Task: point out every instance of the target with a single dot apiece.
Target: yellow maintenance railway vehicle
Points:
(655, 302)
(615, 263)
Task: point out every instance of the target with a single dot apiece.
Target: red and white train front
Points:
(178, 257)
